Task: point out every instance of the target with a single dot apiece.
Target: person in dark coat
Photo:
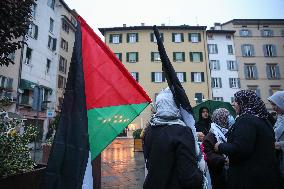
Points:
(169, 146)
(217, 162)
(203, 124)
(250, 146)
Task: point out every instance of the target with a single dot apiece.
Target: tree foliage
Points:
(15, 19)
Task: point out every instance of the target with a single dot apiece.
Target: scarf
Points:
(218, 132)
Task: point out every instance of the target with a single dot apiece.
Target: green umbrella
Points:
(213, 105)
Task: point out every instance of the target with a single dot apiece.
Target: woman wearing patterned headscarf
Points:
(215, 160)
(250, 146)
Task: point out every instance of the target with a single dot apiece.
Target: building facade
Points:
(137, 49)
(259, 47)
(223, 66)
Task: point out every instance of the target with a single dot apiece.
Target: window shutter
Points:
(127, 38)
(246, 71)
(277, 71)
(282, 33)
(120, 38)
(137, 38)
(268, 72)
(120, 56)
(199, 37)
(262, 33)
(249, 33)
(274, 50)
(184, 76)
(137, 57)
(137, 76)
(237, 66)
(183, 56)
(255, 72)
(152, 56)
(220, 82)
(192, 76)
(264, 50)
(182, 37)
(271, 33)
(270, 92)
(173, 37)
(191, 56)
(127, 57)
(216, 48)
(163, 77)
(239, 83)
(152, 37)
(162, 36)
(10, 83)
(189, 37)
(36, 32)
(110, 38)
(174, 56)
(201, 56)
(218, 64)
(153, 76)
(243, 50)
(230, 82)
(54, 44)
(202, 76)
(212, 82)
(257, 91)
(210, 64)
(228, 65)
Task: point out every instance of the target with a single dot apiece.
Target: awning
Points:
(29, 85)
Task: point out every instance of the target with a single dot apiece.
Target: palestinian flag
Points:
(101, 99)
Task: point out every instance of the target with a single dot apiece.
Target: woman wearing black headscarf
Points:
(250, 146)
(203, 124)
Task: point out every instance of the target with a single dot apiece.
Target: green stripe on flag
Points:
(104, 124)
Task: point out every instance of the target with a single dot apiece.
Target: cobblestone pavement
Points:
(122, 168)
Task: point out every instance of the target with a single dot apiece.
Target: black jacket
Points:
(171, 159)
(251, 153)
(215, 162)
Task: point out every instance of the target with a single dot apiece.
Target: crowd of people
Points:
(245, 152)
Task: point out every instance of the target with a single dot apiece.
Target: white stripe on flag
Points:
(88, 178)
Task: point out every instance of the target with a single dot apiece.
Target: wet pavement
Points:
(122, 168)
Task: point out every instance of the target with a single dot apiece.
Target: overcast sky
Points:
(113, 13)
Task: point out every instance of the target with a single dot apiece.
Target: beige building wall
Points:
(264, 86)
(145, 66)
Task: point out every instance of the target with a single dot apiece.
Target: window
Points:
(216, 82)
(273, 89)
(33, 13)
(232, 65)
(266, 33)
(51, 43)
(212, 49)
(197, 77)
(135, 75)
(48, 65)
(62, 65)
(210, 36)
(196, 57)
(228, 37)
(73, 21)
(51, 25)
(158, 77)
(214, 65)
(119, 56)
(247, 50)
(282, 33)
(132, 57)
(155, 57)
(250, 71)
(177, 37)
(198, 97)
(6, 82)
(28, 56)
(65, 26)
(153, 37)
(234, 83)
(61, 82)
(218, 99)
(115, 38)
(64, 45)
(51, 3)
(269, 50)
(245, 33)
(132, 37)
(230, 49)
(194, 37)
(33, 31)
(178, 56)
(272, 71)
(181, 76)
(254, 88)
